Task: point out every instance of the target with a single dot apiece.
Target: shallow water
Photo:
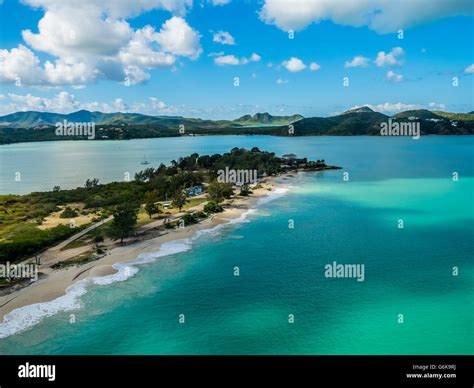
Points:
(408, 271)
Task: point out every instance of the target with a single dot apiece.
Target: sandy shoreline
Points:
(56, 282)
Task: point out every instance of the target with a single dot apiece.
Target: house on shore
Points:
(195, 190)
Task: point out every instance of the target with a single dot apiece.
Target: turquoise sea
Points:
(408, 271)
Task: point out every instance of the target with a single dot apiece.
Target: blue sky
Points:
(167, 57)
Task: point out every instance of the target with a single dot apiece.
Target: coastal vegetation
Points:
(22, 216)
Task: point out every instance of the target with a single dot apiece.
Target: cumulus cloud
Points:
(469, 69)
(223, 60)
(389, 107)
(116, 8)
(22, 67)
(392, 76)
(357, 61)
(19, 65)
(390, 59)
(435, 105)
(61, 103)
(255, 57)
(92, 40)
(227, 60)
(65, 102)
(177, 37)
(223, 37)
(139, 50)
(294, 65)
(314, 66)
(281, 81)
(381, 16)
(78, 34)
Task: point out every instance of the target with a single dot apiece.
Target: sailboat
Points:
(144, 161)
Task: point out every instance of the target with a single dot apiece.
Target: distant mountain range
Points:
(32, 119)
(267, 119)
(39, 126)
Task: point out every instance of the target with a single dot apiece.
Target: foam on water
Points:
(26, 317)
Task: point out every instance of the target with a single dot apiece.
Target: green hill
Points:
(266, 119)
(16, 127)
(455, 116)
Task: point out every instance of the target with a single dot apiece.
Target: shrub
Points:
(189, 219)
(169, 225)
(245, 191)
(69, 213)
(213, 207)
(98, 239)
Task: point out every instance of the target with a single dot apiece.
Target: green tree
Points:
(151, 207)
(98, 239)
(218, 191)
(124, 221)
(245, 191)
(212, 207)
(91, 183)
(179, 199)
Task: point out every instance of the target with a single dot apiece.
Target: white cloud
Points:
(139, 51)
(389, 107)
(357, 61)
(314, 66)
(157, 104)
(390, 59)
(294, 65)
(392, 76)
(436, 106)
(381, 16)
(21, 66)
(227, 60)
(255, 57)
(92, 40)
(223, 37)
(177, 37)
(281, 81)
(116, 8)
(220, 2)
(65, 102)
(19, 63)
(62, 73)
(222, 60)
(469, 69)
(135, 75)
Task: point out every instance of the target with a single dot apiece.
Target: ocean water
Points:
(408, 271)
(28, 167)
